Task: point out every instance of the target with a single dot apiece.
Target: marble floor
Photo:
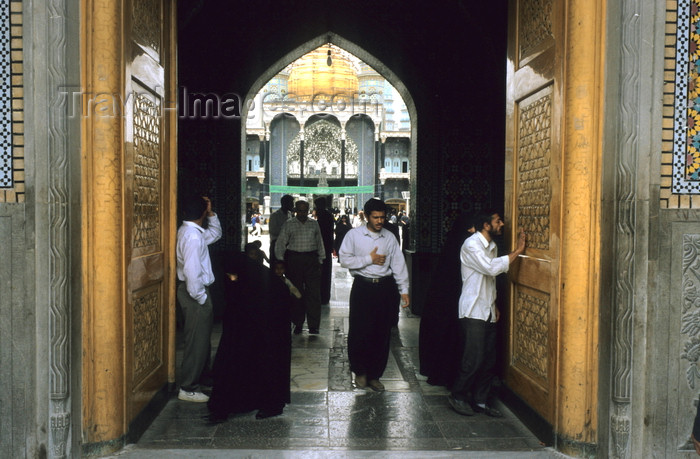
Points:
(328, 417)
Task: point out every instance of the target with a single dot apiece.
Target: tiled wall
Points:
(680, 157)
(11, 102)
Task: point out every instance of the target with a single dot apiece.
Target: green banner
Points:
(321, 189)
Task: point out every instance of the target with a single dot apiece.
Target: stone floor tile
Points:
(309, 369)
(483, 444)
(406, 444)
(309, 398)
(186, 443)
(377, 428)
(178, 429)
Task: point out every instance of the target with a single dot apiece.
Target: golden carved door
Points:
(149, 199)
(533, 195)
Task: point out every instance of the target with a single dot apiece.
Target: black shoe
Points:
(264, 414)
(488, 411)
(313, 331)
(460, 406)
(297, 329)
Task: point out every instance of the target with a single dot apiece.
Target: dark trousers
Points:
(326, 278)
(478, 339)
(304, 270)
(272, 256)
(198, 321)
(373, 311)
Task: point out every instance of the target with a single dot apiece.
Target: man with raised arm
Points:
(478, 315)
(199, 229)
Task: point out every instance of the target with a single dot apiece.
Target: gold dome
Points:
(311, 78)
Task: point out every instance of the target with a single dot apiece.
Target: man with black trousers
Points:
(376, 262)
(300, 246)
(478, 315)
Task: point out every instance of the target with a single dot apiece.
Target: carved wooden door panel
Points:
(149, 198)
(533, 194)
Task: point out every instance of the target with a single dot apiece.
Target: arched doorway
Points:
(337, 147)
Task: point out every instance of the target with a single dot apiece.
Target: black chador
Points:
(438, 348)
(252, 364)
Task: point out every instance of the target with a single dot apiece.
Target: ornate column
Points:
(268, 179)
(301, 157)
(261, 168)
(379, 152)
(261, 151)
(625, 231)
(59, 261)
(342, 155)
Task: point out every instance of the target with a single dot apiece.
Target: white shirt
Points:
(355, 251)
(300, 237)
(192, 254)
(480, 266)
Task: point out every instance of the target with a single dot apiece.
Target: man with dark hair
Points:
(478, 315)
(376, 262)
(200, 227)
(300, 245)
(277, 219)
(325, 223)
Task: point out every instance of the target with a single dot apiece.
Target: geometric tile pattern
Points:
(686, 126)
(6, 173)
(680, 45)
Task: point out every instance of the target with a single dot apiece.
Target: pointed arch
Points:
(362, 54)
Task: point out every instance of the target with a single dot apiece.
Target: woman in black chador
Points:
(342, 226)
(252, 365)
(438, 342)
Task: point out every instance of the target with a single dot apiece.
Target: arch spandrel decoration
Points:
(322, 147)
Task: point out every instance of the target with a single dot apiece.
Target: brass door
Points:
(149, 203)
(533, 196)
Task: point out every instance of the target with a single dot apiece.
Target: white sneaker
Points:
(188, 396)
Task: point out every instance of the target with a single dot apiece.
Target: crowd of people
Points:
(251, 370)
(341, 221)
(457, 339)
(267, 299)
(264, 305)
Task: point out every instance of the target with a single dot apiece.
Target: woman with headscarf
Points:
(438, 341)
(342, 226)
(252, 364)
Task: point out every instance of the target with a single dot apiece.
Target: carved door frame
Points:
(564, 48)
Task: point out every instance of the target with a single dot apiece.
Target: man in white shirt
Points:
(300, 246)
(200, 227)
(277, 219)
(478, 315)
(376, 262)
